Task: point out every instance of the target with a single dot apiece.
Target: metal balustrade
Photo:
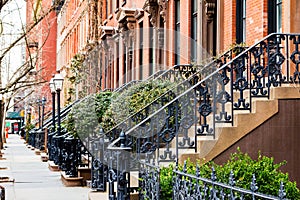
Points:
(213, 99)
(185, 75)
(193, 186)
(203, 99)
(99, 174)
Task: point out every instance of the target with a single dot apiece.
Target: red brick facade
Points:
(42, 45)
(93, 29)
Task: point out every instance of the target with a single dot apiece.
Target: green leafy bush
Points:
(267, 173)
(85, 117)
(133, 100)
(77, 68)
(28, 127)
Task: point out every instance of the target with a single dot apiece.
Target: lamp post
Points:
(58, 83)
(43, 110)
(39, 103)
(28, 117)
(52, 89)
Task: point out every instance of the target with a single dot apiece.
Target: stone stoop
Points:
(85, 173)
(94, 195)
(244, 122)
(37, 152)
(5, 179)
(52, 166)
(97, 195)
(44, 157)
(71, 181)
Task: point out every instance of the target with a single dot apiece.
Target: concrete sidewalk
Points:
(32, 178)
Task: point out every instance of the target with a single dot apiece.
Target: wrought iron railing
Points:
(229, 86)
(185, 76)
(64, 112)
(193, 186)
(176, 73)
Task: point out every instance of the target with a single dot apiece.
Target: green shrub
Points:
(112, 108)
(85, 117)
(133, 100)
(28, 127)
(267, 173)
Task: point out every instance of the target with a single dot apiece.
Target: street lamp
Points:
(43, 110)
(28, 117)
(39, 103)
(52, 89)
(58, 84)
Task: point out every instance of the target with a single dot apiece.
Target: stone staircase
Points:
(244, 123)
(247, 88)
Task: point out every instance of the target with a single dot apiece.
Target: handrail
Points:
(128, 132)
(157, 99)
(64, 111)
(125, 85)
(172, 89)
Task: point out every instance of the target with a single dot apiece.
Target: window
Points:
(117, 5)
(117, 65)
(111, 7)
(124, 64)
(244, 20)
(106, 71)
(194, 31)
(151, 49)
(141, 38)
(279, 16)
(274, 16)
(177, 32)
(106, 8)
(161, 41)
(240, 21)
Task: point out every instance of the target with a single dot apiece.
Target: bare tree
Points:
(3, 3)
(21, 80)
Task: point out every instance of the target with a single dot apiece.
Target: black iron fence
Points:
(201, 100)
(67, 152)
(193, 186)
(209, 99)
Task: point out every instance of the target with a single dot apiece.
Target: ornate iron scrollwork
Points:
(295, 57)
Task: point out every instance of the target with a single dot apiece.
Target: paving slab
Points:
(32, 177)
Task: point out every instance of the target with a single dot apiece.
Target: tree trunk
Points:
(2, 121)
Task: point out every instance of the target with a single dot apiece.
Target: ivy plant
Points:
(77, 68)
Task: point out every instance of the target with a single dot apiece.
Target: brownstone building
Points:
(122, 41)
(162, 33)
(103, 44)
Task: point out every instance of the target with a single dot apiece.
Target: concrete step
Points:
(44, 157)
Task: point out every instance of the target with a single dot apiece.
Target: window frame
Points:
(177, 32)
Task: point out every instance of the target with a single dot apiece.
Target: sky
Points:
(13, 16)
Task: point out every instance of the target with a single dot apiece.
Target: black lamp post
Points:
(58, 83)
(39, 103)
(43, 110)
(28, 111)
(52, 89)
